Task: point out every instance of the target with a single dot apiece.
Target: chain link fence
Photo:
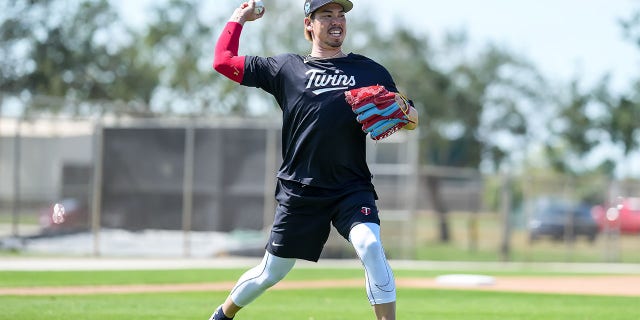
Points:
(205, 187)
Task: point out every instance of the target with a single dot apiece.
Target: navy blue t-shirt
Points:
(322, 143)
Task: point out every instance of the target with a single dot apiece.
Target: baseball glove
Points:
(380, 112)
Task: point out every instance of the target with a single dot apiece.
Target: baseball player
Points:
(324, 179)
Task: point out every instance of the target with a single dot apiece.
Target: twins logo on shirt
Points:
(320, 81)
(365, 210)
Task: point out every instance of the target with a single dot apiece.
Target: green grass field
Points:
(322, 304)
(316, 304)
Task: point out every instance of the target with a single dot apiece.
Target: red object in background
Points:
(627, 219)
(76, 217)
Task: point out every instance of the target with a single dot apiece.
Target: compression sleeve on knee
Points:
(379, 279)
(257, 280)
(226, 59)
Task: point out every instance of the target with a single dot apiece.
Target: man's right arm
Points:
(226, 59)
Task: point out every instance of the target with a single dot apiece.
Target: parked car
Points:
(624, 218)
(558, 218)
(76, 217)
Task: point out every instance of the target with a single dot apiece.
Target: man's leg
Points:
(381, 288)
(385, 311)
(253, 283)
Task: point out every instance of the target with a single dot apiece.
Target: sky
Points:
(564, 38)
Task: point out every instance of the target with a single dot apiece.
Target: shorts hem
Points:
(291, 256)
(383, 301)
(358, 223)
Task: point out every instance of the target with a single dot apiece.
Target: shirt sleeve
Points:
(264, 72)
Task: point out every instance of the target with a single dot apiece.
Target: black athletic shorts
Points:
(305, 213)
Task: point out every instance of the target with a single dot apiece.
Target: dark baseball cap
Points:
(312, 5)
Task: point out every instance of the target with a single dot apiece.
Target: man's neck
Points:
(322, 53)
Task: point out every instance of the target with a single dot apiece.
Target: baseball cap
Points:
(312, 5)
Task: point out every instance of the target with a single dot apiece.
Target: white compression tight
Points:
(381, 287)
(364, 237)
(257, 280)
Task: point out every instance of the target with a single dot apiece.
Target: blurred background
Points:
(528, 147)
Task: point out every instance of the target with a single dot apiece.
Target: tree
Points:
(592, 118)
(631, 27)
(179, 39)
(624, 122)
(475, 107)
(73, 52)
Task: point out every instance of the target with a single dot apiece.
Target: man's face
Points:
(329, 26)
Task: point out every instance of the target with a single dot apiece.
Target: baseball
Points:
(259, 7)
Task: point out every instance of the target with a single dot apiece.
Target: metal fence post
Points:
(96, 202)
(15, 229)
(414, 187)
(505, 246)
(187, 188)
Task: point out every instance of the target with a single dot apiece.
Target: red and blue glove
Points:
(380, 112)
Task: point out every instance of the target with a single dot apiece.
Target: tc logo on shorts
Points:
(365, 210)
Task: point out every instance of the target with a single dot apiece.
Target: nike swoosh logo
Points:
(321, 91)
(276, 244)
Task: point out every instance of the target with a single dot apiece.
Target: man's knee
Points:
(272, 276)
(365, 239)
(370, 250)
(380, 281)
(254, 282)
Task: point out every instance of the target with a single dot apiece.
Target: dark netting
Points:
(144, 171)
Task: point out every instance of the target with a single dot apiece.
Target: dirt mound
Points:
(592, 285)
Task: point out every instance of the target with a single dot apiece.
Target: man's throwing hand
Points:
(248, 11)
